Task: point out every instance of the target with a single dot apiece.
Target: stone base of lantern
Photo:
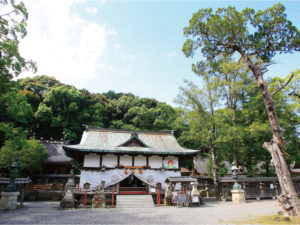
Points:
(68, 200)
(238, 196)
(168, 202)
(8, 200)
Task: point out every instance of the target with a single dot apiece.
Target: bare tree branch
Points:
(283, 86)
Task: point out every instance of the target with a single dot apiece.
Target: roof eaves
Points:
(192, 152)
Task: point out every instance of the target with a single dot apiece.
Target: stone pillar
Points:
(238, 196)
(9, 200)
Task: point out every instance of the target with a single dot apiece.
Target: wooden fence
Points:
(256, 188)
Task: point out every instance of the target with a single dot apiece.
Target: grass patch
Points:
(270, 219)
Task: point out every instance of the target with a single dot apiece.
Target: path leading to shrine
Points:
(210, 213)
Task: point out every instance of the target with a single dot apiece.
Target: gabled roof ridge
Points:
(88, 127)
(134, 136)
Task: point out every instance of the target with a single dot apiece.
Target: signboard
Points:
(171, 163)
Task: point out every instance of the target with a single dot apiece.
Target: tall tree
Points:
(256, 37)
(15, 111)
(233, 81)
(202, 103)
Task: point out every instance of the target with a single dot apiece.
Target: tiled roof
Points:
(56, 152)
(114, 141)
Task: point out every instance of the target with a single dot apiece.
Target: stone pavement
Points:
(210, 213)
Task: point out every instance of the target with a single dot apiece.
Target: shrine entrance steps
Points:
(135, 201)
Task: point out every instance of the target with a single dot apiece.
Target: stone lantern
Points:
(195, 194)
(9, 198)
(235, 170)
(238, 194)
(68, 199)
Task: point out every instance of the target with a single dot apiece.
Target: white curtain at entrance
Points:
(152, 177)
(110, 177)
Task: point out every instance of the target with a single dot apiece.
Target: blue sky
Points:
(125, 46)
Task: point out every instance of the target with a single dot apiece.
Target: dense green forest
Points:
(227, 109)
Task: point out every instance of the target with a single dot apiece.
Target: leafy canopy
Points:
(260, 34)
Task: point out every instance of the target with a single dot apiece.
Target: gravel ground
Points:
(210, 213)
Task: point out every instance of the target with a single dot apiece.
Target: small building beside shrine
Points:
(128, 160)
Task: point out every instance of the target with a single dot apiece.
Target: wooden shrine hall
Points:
(130, 161)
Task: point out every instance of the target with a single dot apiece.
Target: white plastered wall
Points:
(126, 160)
(140, 160)
(155, 161)
(91, 160)
(109, 160)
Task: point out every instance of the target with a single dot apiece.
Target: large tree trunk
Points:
(213, 152)
(214, 165)
(234, 146)
(289, 197)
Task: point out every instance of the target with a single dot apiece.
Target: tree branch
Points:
(6, 14)
(294, 94)
(283, 86)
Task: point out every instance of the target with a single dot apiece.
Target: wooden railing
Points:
(45, 187)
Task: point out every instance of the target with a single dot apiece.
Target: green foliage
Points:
(62, 110)
(15, 108)
(12, 29)
(260, 34)
(38, 84)
(32, 156)
(31, 153)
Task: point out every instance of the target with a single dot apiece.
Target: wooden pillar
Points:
(118, 187)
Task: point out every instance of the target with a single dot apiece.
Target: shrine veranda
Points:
(130, 161)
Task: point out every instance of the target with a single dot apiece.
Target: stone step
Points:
(135, 201)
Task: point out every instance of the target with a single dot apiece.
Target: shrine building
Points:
(130, 161)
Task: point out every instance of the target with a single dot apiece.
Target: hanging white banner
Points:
(110, 177)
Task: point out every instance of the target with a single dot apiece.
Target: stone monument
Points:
(9, 198)
(238, 194)
(99, 200)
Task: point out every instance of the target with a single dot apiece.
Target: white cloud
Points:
(92, 10)
(61, 42)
